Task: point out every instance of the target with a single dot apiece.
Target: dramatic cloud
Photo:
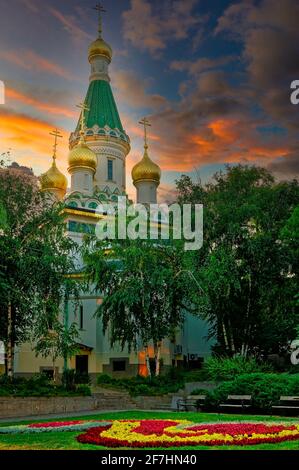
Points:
(71, 25)
(14, 95)
(150, 28)
(228, 103)
(203, 64)
(30, 60)
(31, 5)
(221, 120)
(215, 123)
(286, 167)
(29, 141)
(270, 36)
(133, 91)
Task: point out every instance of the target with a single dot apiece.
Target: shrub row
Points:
(38, 386)
(150, 386)
(265, 389)
(225, 368)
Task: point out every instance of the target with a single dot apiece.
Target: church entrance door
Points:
(82, 364)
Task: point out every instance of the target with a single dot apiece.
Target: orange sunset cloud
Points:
(54, 109)
(30, 60)
(224, 140)
(28, 139)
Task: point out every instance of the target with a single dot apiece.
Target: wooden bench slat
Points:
(239, 397)
(222, 405)
(285, 407)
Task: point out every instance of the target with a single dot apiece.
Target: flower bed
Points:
(164, 432)
(178, 433)
(78, 425)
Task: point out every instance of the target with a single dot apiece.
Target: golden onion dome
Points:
(53, 180)
(146, 170)
(82, 156)
(101, 48)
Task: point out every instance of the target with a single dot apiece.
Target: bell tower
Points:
(104, 133)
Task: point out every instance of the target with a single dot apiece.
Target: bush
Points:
(83, 390)
(265, 389)
(142, 389)
(222, 368)
(68, 379)
(138, 385)
(71, 378)
(39, 386)
(83, 378)
(105, 379)
(199, 391)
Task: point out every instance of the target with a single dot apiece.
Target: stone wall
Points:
(35, 406)
(152, 403)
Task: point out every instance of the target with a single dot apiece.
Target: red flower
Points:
(242, 432)
(54, 424)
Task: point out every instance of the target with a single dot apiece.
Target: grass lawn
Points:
(67, 440)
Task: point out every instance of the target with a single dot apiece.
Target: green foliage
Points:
(199, 391)
(149, 386)
(248, 267)
(35, 256)
(265, 389)
(83, 390)
(58, 342)
(38, 386)
(226, 368)
(105, 379)
(71, 378)
(68, 379)
(145, 290)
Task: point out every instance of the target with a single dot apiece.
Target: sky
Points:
(213, 77)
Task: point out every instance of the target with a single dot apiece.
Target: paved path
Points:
(73, 415)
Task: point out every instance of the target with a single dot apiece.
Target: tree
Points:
(34, 259)
(57, 342)
(244, 267)
(290, 237)
(143, 296)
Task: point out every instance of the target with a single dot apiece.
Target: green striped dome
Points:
(102, 107)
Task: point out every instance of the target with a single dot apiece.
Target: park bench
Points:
(191, 403)
(288, 404)
(237, 401)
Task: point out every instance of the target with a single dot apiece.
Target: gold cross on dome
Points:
(83, 108)
(100, 9)
(55, 134)
(146, 124)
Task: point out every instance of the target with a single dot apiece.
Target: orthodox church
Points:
(99, 146)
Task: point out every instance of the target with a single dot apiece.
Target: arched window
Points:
(110, 170)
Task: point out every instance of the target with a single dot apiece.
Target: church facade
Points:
(99, 146)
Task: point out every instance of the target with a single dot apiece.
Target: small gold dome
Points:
(99, 47)
(54, 180)
(146, 170)
(82, 156)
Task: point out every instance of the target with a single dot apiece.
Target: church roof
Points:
(102, 107)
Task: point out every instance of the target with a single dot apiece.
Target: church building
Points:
(98, 147)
